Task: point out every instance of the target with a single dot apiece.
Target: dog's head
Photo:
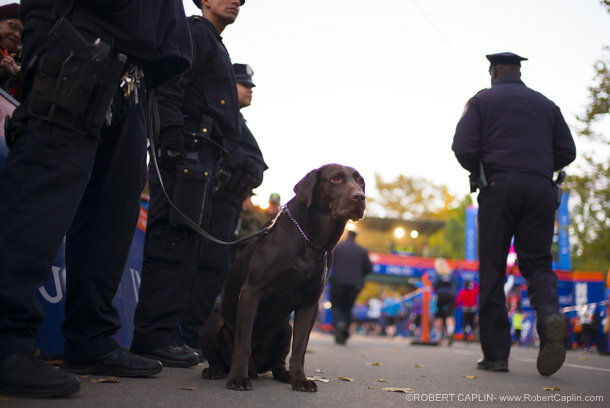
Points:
(334, 188)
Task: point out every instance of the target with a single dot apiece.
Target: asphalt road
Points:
(437, 377)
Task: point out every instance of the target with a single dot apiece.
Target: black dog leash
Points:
(153, 131)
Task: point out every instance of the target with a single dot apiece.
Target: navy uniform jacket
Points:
(208, 88)
(513, 128)
(144, 30)
(248, 155)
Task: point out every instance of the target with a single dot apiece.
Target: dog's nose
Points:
(358, 196)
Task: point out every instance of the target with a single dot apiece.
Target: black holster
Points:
(190, 191)
(200, 130)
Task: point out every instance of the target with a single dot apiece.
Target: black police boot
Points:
(492, 365)
(173, 356)
(190, 349)
(119, 362)
(26, 375)
(552, 352)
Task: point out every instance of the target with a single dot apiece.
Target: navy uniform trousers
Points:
(213, 267)
(342, 298)
(55, 183)
(522, 205)
(171, 259)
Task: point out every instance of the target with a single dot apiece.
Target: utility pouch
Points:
(190, 192)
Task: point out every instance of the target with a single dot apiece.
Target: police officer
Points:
(200, 126)
(519, 138)
(244, 171)
(76, 169)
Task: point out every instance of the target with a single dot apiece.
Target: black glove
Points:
(172, 148)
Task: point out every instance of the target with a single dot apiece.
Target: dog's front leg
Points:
(247, 307)
(304, 319)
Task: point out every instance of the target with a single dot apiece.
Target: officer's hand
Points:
(172, 148)
(170, 158)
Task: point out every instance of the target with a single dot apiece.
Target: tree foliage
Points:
(450, 241)
(599, 96)
(414, 198)
(590, 216)
(590, 191)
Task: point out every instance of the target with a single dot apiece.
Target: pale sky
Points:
(380, 85)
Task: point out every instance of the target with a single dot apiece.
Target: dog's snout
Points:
(358, 196)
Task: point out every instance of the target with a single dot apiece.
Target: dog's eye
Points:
(361, 181)
(336, 178)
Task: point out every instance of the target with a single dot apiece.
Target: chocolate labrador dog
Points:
(280, 272)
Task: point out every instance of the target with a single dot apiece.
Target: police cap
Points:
(198, 3)
(505, 58)
(243, 74)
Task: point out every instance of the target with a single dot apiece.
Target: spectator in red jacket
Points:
(467, 299)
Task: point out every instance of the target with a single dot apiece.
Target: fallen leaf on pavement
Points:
(320, 371)
(186, 388)
(551, 389)
(393, 389)
(470, 376)
(345, 379)
(382, 380)
(419, 365)
(376, 363)
(320, 379)
(268, 374)
(106, 380)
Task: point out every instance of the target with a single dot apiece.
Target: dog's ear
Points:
(304, 188)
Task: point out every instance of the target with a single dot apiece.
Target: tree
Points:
(590, 191)
(450, 241)
(599, 95)
(414, 198)
(590, 216)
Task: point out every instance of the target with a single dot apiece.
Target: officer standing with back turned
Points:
(76, 169)
(512, 139)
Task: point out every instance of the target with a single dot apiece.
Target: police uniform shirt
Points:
(208, 88)
(513, 128)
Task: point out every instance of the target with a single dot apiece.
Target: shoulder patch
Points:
(465, 109)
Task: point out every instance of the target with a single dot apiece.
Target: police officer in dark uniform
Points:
(244, 171)
(76, 168)
(200, 127)
(518, 138)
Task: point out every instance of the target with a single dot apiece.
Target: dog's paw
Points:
(239, 384)
(282, 375)
(306, 385)
(212, 373)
